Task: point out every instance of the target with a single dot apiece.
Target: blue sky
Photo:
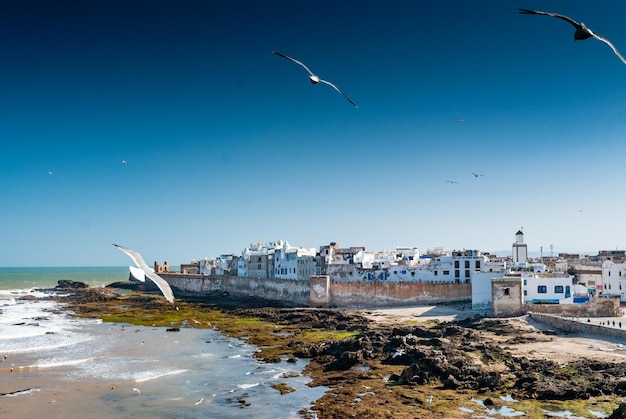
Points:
(229, 144)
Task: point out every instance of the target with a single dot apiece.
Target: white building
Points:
(613, 280)
(456, 266)
(548, 289)
(293, 262)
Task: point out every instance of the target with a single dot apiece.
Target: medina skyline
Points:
(174, 129)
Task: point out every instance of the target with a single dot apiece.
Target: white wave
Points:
(44, 347)
(147, 376)
(249, 385)
(22, 392)
(53, 363)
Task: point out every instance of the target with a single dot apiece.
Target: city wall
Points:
(320, 291)
(273, 289)
(574, 326)
(597, 308)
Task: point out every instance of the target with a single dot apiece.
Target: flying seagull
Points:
(477, 174)
(582, 32)
(160, 282)
(452, 181)
(124, 162)
(315, 79)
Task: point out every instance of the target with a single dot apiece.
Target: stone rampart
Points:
(597, 308)
(319, 291)
(273, 289)
(395, 293)
(575, 326)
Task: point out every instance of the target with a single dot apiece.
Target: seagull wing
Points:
(295, 61)
(606, 41)
(160, 282)
(339, 90)
(537, 12)
(137, 273)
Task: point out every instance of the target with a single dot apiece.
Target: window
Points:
(542, 289)
(456, 264)
(467, 273)
(446, 272)
(524, 282)
(558, 289)
(477, 264)
(467, 264)
(457, 273)
(525, 293)
(507, 292)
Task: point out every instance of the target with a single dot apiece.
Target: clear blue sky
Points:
(229, 144)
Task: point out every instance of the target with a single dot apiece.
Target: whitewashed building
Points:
(293, 262)
(555, 288)
(613, 280)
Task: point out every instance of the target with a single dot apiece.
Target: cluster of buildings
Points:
(565, 279)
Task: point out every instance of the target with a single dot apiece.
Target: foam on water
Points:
(57, 356)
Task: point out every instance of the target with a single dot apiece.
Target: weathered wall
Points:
(323, 292)
(574, 326)
(597, 308)
(508, 297)
(387, 294)
(274, 289)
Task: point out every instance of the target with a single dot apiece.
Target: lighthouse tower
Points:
(520, 251)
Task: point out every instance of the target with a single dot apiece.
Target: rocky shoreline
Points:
(405, 370)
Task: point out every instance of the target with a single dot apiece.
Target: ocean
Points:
(58, 366)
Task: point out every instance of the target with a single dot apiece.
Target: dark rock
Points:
(619, 413)
(64, 284)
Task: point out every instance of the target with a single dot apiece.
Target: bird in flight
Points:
(477, 174)
(582, 31)
(124, 162)
(315, 79)
(160, 282)
(461, 120)
(452, 181)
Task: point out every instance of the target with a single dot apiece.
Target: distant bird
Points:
(124, 162)
(477, 174)
(136, 390)
(461, 120)
(49, 172)
(582, 31)
(451, 181)
(315, 79)
(160, 282)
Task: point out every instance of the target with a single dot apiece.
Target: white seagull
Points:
(315, 79)
(160, 282)
(582, 31)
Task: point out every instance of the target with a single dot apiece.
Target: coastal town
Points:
(458, 274)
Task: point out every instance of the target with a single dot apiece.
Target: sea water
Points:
(55, 365)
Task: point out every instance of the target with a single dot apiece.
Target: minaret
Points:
(520, 251)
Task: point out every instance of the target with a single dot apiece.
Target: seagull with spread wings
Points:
(314, 78)
(582, 31)
(160, 282)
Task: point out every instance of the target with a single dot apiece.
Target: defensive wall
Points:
(576, 325)
(320, 291)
